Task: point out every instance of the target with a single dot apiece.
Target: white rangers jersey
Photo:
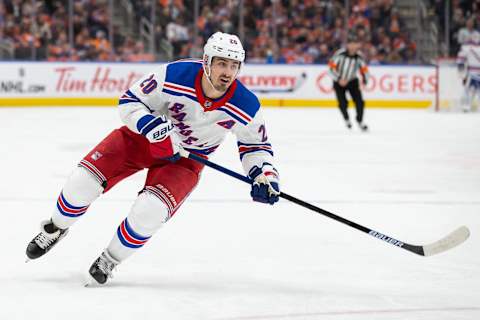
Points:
(201, 124)
(469, 60)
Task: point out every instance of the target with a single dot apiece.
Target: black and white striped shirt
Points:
(345, 66)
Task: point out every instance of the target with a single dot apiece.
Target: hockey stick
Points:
(448, 242)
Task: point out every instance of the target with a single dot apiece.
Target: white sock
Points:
(80, 190)
(147, 215)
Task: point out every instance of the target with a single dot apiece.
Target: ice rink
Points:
(415, 176)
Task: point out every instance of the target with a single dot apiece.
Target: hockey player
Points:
(468, 61)
(184, 104)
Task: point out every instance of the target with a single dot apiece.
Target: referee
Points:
(344, 67)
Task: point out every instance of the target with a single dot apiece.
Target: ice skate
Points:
(48, 237)
(363, 126)
(348, 124)
(101, 270)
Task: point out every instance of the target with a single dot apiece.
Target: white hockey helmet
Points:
(223, 45)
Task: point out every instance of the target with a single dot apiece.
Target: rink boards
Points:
(26, 84)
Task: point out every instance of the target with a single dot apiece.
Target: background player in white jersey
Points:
(468, 61)
(185, 104)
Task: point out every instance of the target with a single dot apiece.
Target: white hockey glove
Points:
(265, 185)
(163, 140)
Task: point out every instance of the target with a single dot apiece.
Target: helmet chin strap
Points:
(208, 74)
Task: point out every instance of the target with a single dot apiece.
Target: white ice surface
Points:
(415, 176)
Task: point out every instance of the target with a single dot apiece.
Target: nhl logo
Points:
(207, 104)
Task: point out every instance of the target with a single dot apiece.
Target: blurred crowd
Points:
(309, 31)
(283, 31)
(39, 29)
(288, 31)
(33, 29)
(464, 22)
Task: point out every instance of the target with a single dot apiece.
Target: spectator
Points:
(177, 34)
(468, 33)
(6, 46)
(196, 50)
(139, 55)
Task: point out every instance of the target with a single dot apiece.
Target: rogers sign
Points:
(384, 83)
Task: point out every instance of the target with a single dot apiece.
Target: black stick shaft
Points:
(376, 234)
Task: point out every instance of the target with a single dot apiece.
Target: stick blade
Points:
(450, 241)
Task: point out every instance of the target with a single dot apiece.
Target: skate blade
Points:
(27, 260)
(90, 282)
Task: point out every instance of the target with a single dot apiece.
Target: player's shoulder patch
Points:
(245, 101)
(183, 72)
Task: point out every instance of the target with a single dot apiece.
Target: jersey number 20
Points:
(148, 85)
